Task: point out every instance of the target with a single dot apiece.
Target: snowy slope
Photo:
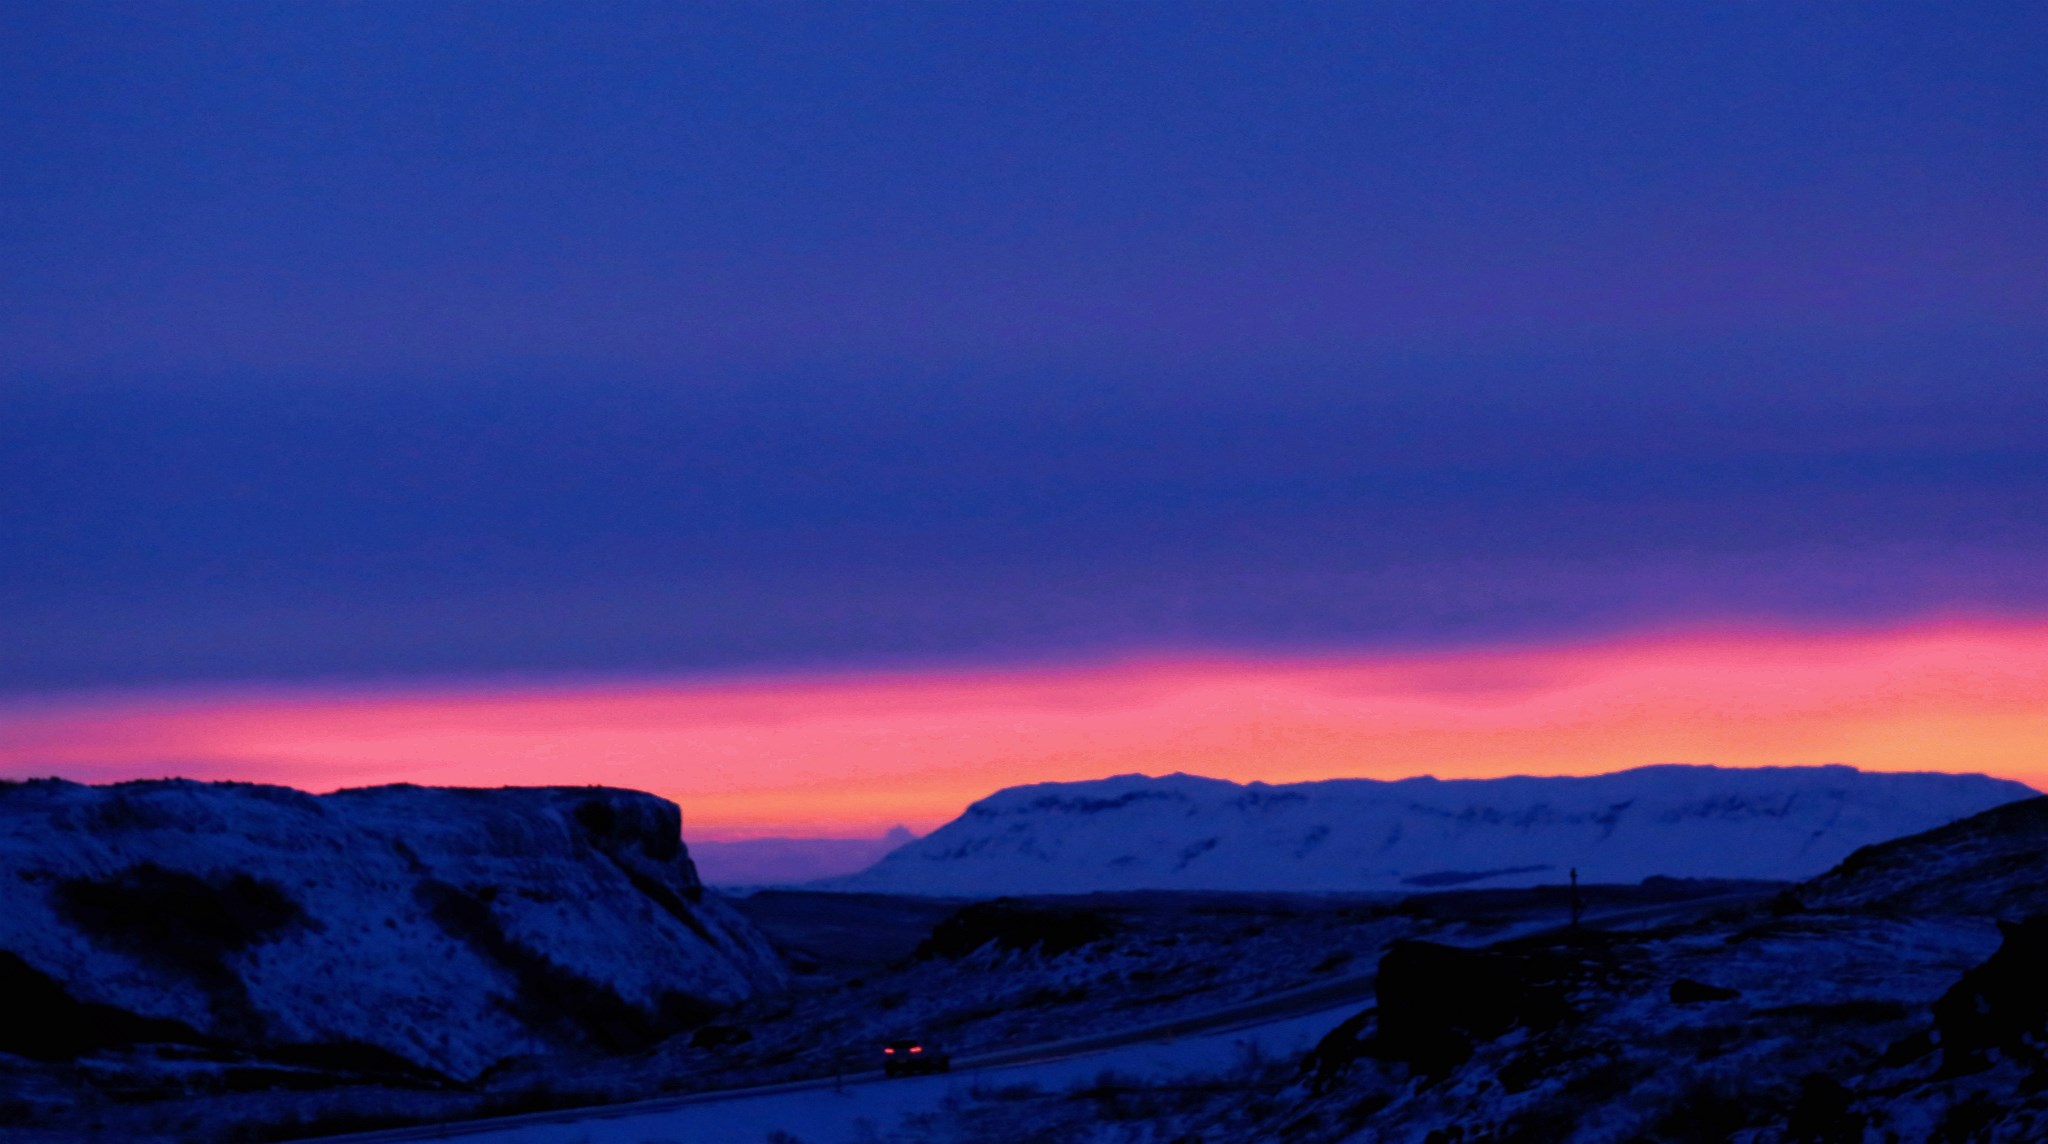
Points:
(449, 928)
(1994, 864)
(1184, 832)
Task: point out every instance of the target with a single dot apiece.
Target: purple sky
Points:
(391, 341)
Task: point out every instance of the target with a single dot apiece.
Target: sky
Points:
(452, 365)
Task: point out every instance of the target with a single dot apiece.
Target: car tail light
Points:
(917, 1048)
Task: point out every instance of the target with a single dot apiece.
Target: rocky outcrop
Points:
(441, 930)
(1437, 1001)
(1686, 991)
(2001, 1005)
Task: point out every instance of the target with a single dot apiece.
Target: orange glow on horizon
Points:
(853, 755)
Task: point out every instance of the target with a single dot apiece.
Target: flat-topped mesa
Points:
(1133, 832)
(449, 928)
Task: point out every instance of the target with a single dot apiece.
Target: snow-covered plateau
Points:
(391, 930)
(1183, 832)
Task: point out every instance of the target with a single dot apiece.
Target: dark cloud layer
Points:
(378, 340)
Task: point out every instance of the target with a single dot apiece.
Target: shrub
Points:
(552, 996)
(1014, 925)
(174, 917)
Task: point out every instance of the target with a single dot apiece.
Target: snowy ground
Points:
(867, 1109)
(984, 1102)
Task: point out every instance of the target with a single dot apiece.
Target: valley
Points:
(1637, 1008)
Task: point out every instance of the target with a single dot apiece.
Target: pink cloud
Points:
(854, 754)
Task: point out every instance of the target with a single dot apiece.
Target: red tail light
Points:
(891, 1052)
(917, 1048)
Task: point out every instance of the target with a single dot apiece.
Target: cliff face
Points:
(443, 928)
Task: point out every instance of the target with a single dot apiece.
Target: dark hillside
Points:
(1993, 864)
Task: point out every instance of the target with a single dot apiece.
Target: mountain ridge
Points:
(1182, 831)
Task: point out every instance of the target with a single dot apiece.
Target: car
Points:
(909, 1056)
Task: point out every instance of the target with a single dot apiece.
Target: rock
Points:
(720, 1036)
(1339, 1049)
(1821, 1114)
(1686, 991)
(1436, 1001)
(1999, 1004)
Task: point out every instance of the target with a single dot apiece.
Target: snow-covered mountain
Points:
(444, 929)
(786, 861)
(1184, 832)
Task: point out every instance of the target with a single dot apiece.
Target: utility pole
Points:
(1578, 906)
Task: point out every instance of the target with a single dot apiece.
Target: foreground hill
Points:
(1183, 832)
(401, 928)
(1993, 864)
(1897, 997)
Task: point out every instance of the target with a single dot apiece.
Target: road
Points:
(1334, 994)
